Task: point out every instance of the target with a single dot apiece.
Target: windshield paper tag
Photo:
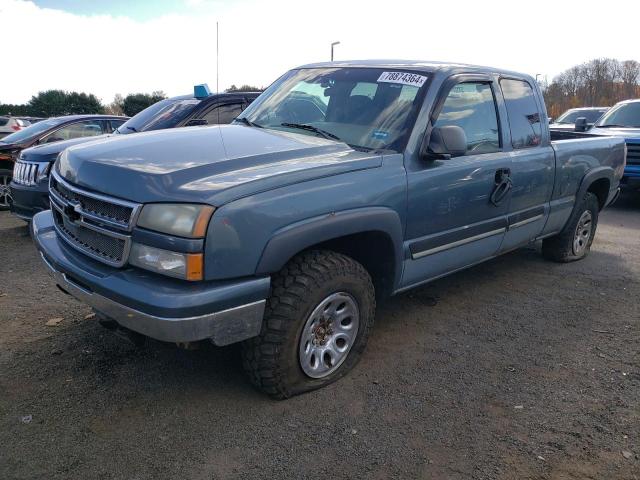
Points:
(380, 134)
(403, 78)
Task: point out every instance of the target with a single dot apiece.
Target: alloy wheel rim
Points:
(583, 232)
(328, 335)
(5, 191)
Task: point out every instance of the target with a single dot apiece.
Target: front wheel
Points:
(5, 191)
(574, 241)
(316, 325)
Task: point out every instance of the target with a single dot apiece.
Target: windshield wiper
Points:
(248, 122)
(612, 125)
(311, 128)
(133, 129)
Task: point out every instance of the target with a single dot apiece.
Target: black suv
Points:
(29, 189)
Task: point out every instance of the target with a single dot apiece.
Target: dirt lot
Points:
(515, 369)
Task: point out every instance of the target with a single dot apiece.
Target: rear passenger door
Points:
(455, 218)
(533, 163)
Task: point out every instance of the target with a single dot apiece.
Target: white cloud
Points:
(261, 40)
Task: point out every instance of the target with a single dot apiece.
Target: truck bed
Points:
(578, 153)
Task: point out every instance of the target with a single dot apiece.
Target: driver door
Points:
(457, 213)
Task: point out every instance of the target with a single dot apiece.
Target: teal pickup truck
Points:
(341, 184)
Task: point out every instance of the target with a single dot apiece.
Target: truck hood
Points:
(569, 127)
(212, 165)
(626, 133)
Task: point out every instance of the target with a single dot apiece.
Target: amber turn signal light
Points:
(195, 266)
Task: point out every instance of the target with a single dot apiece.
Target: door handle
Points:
(502, 186)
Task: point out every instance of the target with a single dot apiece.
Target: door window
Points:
(523, 112)
(223, 113)
(472, 107)
(87, 128)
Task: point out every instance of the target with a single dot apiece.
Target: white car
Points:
(10, 125)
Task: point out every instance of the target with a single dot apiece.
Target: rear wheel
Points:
(5, 191)
(574, 242)
(316, 325)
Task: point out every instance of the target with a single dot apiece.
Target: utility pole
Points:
(332, 45)
(217, 61)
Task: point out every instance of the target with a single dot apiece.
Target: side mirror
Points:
(550, 120)
(196, 122)
(446, 142)
(581, 124)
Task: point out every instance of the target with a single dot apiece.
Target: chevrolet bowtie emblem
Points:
(72, 211)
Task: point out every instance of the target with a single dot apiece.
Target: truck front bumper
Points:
(631, 177)
(162, 308)
(29, 200)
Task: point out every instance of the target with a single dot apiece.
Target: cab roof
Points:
(420, 65)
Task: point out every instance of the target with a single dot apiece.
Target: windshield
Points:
(32, 131)
(623, 115)
(163, 114)
(367, 108)
(572, 115)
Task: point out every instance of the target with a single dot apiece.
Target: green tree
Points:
(243, 88)
(12, 109)
(136, 102)
(52, 103)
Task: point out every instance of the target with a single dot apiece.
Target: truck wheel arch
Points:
(598, 181)
(320, 232)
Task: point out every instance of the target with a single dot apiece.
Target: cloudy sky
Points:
(124, 46)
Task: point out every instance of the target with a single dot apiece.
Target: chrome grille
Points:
(111, 211)
(26, 173)
(94, 224)
(633, 153)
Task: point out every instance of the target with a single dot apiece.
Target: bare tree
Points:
(115, 107)
(600, 82)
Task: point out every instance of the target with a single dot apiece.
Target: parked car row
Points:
(567, 121)
(28, 192)
(45, 132)
(341, 184)
(621, 120)
(9, 125)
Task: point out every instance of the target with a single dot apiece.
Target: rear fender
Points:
(594, 175)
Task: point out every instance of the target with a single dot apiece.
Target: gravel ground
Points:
(516, 369)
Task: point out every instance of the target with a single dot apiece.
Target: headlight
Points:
(43, 171)
(181, 219)
(188, 266)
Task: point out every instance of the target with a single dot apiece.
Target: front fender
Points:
(292, 239)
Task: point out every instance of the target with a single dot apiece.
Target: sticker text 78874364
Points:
(403, 78)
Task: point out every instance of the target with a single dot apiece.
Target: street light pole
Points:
(334, 43)
(217, 60)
